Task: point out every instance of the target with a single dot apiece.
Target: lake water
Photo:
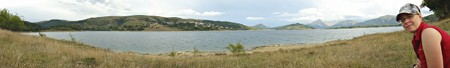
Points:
(211, 41)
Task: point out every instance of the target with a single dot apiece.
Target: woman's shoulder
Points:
(427, 32)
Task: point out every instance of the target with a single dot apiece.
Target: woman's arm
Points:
(431, 43)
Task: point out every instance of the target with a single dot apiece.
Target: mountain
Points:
(260, 26)
(345, 23)
(295, 26)
(318, 24)
(140, 23)
(32, 26)
(387, 20)
(430, 18)
(54, 22)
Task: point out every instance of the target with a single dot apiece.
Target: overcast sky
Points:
(248, 12)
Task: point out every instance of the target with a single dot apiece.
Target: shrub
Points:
(196, 51)
(42, 34)
(72, 38)
(173, 54)
(236, 49)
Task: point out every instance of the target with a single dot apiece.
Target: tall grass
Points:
(381, 50)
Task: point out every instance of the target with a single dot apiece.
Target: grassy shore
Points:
(381, 50)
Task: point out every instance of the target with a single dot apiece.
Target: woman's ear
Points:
(421, 18)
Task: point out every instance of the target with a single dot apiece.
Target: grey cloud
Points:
(426, 11)
(94, 1)
(107, 7)
(352, 17)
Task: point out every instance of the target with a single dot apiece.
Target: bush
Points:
(72, 38)
(236, 49)
(42, 34)
(11, 21)
(173, 54)
(196, 51)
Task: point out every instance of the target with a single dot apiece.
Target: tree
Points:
(10, 21)
(441, 8)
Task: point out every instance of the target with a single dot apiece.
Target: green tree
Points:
(10, 21)
(441, 8)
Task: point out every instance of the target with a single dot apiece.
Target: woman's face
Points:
(410, 22)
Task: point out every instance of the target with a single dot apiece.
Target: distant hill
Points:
(430, 18)
(260, 26)
(318, 24)
(54, 22)
(380, 21)
(345, 23)
(295, 26)
(32, 26)
(140, 23)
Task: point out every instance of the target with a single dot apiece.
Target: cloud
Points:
(154, 7)
(187, 12)
(277, 13)
(254, 18)
(335, 10)
(426, 11)
(212, 13)
(39, 10)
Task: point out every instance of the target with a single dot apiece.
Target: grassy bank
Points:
(382, 50)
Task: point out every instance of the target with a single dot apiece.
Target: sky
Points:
(248, 12)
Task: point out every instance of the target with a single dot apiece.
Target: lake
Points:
(154, 42)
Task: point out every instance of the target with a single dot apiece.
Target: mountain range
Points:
(387, 20)
(158, 23)
(345, 23)
(295, 26)
(383, 20)
(318, 24)
(140, 23)
(260, 27)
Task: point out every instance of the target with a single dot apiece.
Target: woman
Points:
(431, 44)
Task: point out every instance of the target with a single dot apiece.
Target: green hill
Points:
(140, 23)
(260, 26)
(296, 26)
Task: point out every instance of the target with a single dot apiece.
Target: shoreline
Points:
(258, 49)
(187, 30)
(278, 47)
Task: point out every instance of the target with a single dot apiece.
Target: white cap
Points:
(408, 9)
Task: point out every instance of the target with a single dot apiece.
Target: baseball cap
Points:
(409, 9)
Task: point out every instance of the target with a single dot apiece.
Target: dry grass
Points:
(31, 51)
(382, 50)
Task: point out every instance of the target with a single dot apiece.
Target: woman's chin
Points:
(410, 30)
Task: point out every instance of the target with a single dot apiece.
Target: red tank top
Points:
(445, 45)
